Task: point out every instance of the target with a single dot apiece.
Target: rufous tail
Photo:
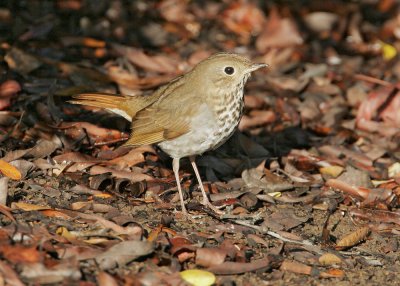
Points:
(115, 103)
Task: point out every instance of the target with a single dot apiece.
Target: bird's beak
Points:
(256, 67)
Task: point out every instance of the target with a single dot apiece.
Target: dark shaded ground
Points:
(310, 184)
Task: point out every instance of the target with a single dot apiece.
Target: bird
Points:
(193, 113)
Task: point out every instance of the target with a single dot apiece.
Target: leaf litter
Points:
(309, 186)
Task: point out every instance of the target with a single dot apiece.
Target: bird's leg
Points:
(205, 202)
(175, 167)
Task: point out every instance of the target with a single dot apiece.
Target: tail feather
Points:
(99, 100)
(126, 106)
(114, 103)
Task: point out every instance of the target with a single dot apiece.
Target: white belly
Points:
(206, 133)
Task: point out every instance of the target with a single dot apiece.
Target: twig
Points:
(371, 79)
(274, 234)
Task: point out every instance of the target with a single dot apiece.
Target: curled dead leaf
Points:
(353, 238)
(9, 170)
(329, 259)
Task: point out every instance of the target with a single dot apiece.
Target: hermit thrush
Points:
(193, 113)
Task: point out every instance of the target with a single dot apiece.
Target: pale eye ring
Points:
(229, 70)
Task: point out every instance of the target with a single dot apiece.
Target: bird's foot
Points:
(208, 204)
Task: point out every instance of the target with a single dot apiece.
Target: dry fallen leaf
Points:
(329, 259)
(28, 207)
(333, 171)
(243, 18)
(123, 253)
(197, 277)
(38, 273)
(353, 238)
(9, 170)
(278, 33)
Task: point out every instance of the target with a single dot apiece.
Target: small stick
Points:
(371, 79)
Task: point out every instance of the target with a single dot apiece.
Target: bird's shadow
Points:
(242, 152)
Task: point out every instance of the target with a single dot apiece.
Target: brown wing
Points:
(161, 116)
(167, 118)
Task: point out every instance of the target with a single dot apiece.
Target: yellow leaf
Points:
(64, 232)
(197, 277)
(333, 171)
(9, 170)
(275, 194)
(388, 51)
(28, 207)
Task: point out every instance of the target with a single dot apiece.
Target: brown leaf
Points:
(296, 267)
(123, 253)
(28, 207)
(76, 157)
(24, 167)
(134, 157)
(77, 130)
(37, 273)
(332, 273)
(369, 108)
(179, 243)
(134, 177)
(79, 252)
(44, 148)
(133, 232)
(158, 63)
(278, 32)
(352, 190)
(21, 61)
(105, 279)
(243, 18)
(16, 154)
(9, 275)
(257, 118)
(229, 268)
(9, 88)
(6, 210)
(390, 114)
(20, 254)
(180, 20)
(208, 257)
(265, 180)
(353, 238)
(55, 214)
(287, 219)
(5, 103)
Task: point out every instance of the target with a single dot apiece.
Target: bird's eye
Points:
(229, 70)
